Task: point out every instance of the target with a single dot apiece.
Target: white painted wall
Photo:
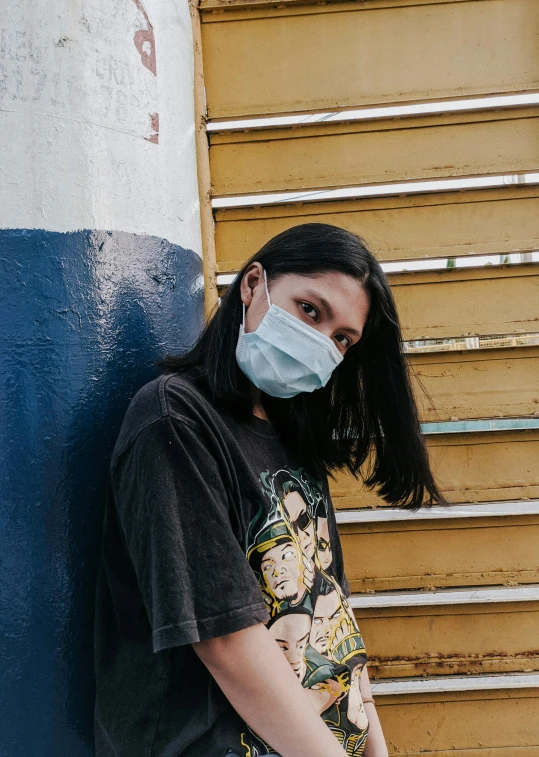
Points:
(76, 105)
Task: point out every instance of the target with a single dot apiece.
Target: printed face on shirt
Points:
(330, 622)
(291, 632)
(283, 572)
(323, 545)
(304, 524)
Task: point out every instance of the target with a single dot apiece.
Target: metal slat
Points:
(440, 554)
(445, 684)
(488, 510)
(358, 191)
(491, 629)
(477, 595)
(218, 6)
(462, 716)
(477, 385)
(344, 155)
(409, 110)
(475, 426)
(396, 228)
(483, 467)
(261, 61)
(467, 302)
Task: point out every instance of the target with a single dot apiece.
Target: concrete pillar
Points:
(100, 274)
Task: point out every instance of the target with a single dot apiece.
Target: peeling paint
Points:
(144, 40)
(154, 120)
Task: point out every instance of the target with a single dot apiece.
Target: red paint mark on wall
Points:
(154, 121)
(144, 40)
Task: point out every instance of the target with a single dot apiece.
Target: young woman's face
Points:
(333, 303)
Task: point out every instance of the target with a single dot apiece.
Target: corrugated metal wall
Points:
(447, 600)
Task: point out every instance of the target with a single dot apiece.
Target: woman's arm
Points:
(258, 681)
(376, 744)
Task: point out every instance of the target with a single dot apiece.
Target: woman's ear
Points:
(253, 276)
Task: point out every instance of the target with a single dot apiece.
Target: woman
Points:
(222, 620)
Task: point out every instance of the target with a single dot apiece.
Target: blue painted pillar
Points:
(100, 274)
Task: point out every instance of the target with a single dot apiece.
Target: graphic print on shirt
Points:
(288, 547)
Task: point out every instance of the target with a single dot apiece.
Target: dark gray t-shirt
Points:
(210, 527)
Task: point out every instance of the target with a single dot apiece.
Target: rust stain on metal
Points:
(144, 40)
(382, 667)
(154, 123)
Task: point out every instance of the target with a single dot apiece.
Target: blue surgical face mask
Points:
(285, 356)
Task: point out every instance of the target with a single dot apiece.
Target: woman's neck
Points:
(258, 410)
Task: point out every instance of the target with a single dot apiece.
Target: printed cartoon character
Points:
(291, 631)
(288, 547)
(323, 544)
(286, 574)
(326, 682)
(329, 617)
(334, 632)
(300, 513)
(347, 718)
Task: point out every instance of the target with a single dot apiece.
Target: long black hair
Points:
(366, 414)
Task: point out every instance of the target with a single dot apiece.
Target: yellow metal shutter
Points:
(448, 602)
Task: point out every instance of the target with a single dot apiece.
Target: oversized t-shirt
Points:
(212, 526)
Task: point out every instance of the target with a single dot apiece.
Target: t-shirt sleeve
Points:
(173, 506)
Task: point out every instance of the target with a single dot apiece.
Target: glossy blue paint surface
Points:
(84, 316)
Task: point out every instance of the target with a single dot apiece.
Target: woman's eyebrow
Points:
(329, 310)
(322, 300)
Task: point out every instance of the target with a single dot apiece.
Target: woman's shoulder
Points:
(170, 395)
(184, 397)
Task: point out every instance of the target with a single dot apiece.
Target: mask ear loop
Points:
(267, 295)
(266, 285)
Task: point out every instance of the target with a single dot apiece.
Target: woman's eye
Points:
(346, 342)
(312, 312)
(309, 309)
